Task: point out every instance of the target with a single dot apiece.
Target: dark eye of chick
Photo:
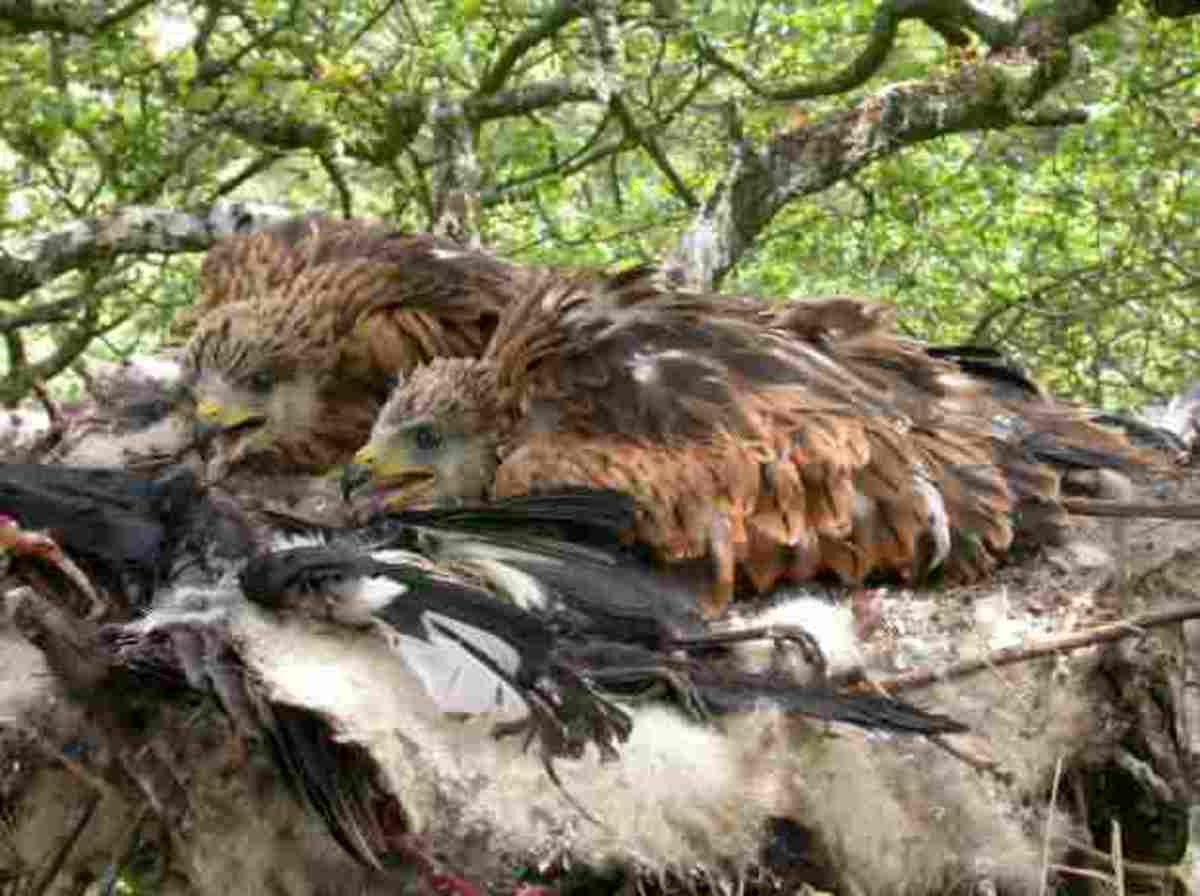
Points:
(261, 381)
(427, 438)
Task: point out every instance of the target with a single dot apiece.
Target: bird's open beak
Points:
(212, 419)
(211, 415)
(393, 481)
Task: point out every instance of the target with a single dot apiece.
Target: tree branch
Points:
(587, 153)
(54, 312)
(654, 150)
(405, 116)
(992, 94)
(25, 17)
(555, 19)
(135, 230)
(944, 16)
(254, 167)
(528, 98)
(456, 180)
(345, 197)
(526, 186)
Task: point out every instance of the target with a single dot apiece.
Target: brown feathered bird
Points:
(760, 444)
(302, 327)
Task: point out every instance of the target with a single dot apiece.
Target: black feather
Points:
(990, 365)
(1144, 435)
(574, 513)
(125, 529)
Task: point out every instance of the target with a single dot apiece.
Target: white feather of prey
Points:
(454, 678)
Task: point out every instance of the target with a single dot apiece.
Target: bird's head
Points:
(435, 440)
(263, 383)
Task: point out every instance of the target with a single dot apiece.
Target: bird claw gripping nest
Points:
(16, 542)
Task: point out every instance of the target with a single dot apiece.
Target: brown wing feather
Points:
(415, 296)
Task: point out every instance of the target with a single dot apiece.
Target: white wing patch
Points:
(489, 562)
(368, 595)
(454, 678)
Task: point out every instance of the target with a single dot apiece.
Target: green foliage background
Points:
(1074, 247)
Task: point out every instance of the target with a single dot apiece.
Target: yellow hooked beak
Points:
(213, 414)
(365, 456)
(394, 480)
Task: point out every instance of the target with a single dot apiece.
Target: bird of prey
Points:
(301, 328)
(759, 445)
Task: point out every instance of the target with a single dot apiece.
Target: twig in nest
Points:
(1005, 656)
(1088, 851)
(1050, 809)
(1089, 507)
(1083, 872)
(1118, 859)
(59, 858)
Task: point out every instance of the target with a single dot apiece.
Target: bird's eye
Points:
(427, 438)
(261, 381)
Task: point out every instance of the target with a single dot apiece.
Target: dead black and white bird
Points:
(378, 665)
(472, 599)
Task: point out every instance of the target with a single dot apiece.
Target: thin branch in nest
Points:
(59, 858)
(1118, 859)
(1089, 851)
(1089, 507)
(1005, 656)
(1050, 809)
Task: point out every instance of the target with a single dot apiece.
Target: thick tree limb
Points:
(947, 18)
(1006, 656)
(998, 92)
(26, 17)
(135, 230)
(528, 98)
(456, 180)
(56, 312)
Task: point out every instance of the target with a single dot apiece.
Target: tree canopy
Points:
(1023, 175)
